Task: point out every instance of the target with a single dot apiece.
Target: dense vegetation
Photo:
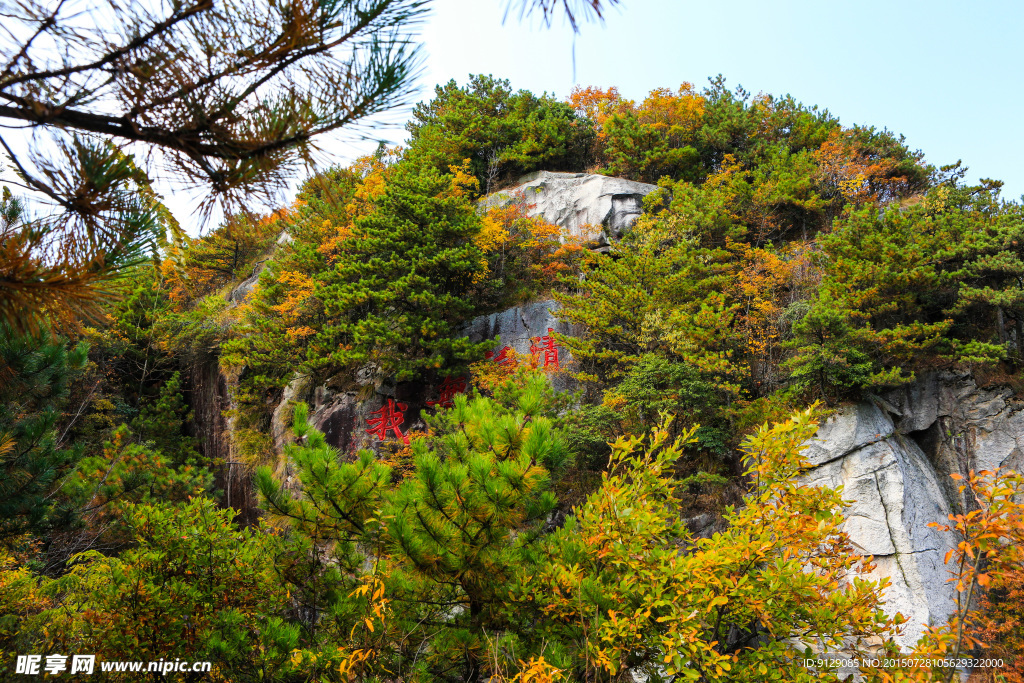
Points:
(784, 261)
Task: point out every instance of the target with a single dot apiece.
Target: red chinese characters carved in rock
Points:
(390, 419)
(502, 358)
(544, 350)
(446, 392)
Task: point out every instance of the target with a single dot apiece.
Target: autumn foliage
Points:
(654, 521)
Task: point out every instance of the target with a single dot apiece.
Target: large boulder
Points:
(587, 206)
(961, 427)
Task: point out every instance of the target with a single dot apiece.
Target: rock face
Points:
(211, 401)
(587, 206)
(895, 493)
(893, 455)
(526, 330)
(349, 415)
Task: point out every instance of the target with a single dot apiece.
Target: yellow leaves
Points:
(938, 199)
(298, 287)
(536, 670)
(7, 443)
(719, 600)
(613, 401)
(682, 604)
(351, 662)
(729, 169)
(373, 186)
(495, 234)
(607, 662)
(464, 183)
(298, 334)
(675, 114)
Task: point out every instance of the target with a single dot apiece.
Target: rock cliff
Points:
(894, 455)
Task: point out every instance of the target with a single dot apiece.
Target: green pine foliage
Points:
(442, 541)
(397, 292)
(162, 422)
(36, 369)
(911, 287)
(749, 128)
(503, 134)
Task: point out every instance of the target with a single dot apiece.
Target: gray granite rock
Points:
(346, 413)
(527, 330)
(894, 494)
(893, 455)
(586, 206)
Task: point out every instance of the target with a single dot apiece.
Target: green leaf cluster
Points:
(503, 134)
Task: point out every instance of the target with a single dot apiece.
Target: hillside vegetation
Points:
(785, 265)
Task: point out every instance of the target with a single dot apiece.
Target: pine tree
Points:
(502, 133)
(451, 524)
(397, 292)
(663, 289)
(443, 543)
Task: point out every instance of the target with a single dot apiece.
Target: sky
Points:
(947, 75)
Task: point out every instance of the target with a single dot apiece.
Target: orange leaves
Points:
(664, 110)
(626, 131)
(850, 169)
(769, 280)
(526, 252)
(597, 104)
(989, 555)
(674, 114)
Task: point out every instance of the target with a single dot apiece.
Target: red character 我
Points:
(390, 418)
(546, 346)
(446, 392)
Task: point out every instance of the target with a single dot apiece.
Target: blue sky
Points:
(947, 75)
